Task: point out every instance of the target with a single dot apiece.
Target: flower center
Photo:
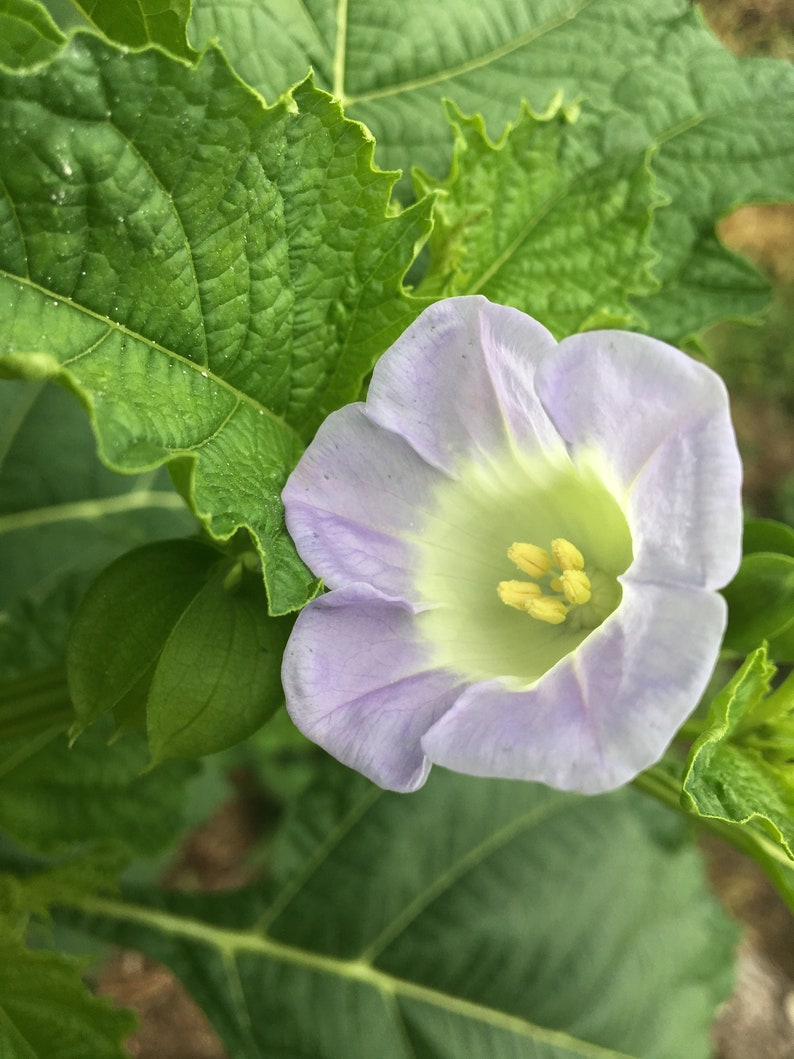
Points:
(564, 573)
(459, 560)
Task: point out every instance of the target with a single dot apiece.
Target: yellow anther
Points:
(566, 555)
(576, 586)
(546, 609)
(556, 584)
(529, 558)
(517, 593)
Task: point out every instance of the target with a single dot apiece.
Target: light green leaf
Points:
(740, 769)
(542, 220)
(474, 917)
(211, 276)
(46, 1012)
(27, 34)
(722, 128)
(54, 796)
(137, 23)
(767, 535)
(761, 596)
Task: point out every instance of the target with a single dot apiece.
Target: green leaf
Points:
(741, 768)
(761, 605)
(177, 637)
(27, 34)
(721, 128)
(122, 622)
(136, 23)
(664, 781)
(33, 894)
(475, 917)
(767, 535)
(54, 796)
(565, 241)
(211, 276)
(219, 676)
(46, 1012)
(62, 516)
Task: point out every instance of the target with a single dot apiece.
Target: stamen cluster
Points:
(568, 581)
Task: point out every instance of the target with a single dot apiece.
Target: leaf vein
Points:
(473, 64)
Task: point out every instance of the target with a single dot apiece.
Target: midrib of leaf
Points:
(146, 164)
(205, 372)
(472, 64)
(456, 871)
(685, 126)
(340, 49)
(528, 228)
(231, 942)
(89, 510)
(144, 19)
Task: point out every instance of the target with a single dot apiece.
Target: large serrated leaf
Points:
(46, 1012)
(211, 276)
(475, 917)
(542, 221)
(722, 128)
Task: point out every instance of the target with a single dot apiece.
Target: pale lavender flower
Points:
(479, 433)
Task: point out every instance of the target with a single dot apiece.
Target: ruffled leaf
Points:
(210, 275)
(741, 769)
(543, 220)
(721, 129)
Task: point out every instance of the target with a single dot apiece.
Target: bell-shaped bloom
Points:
(523, 542)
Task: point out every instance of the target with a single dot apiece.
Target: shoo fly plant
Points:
(360, 437)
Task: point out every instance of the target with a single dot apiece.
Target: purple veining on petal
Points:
(358, 683)
(458, 384)
(661, 421)
(603, 713)
(354, 501)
